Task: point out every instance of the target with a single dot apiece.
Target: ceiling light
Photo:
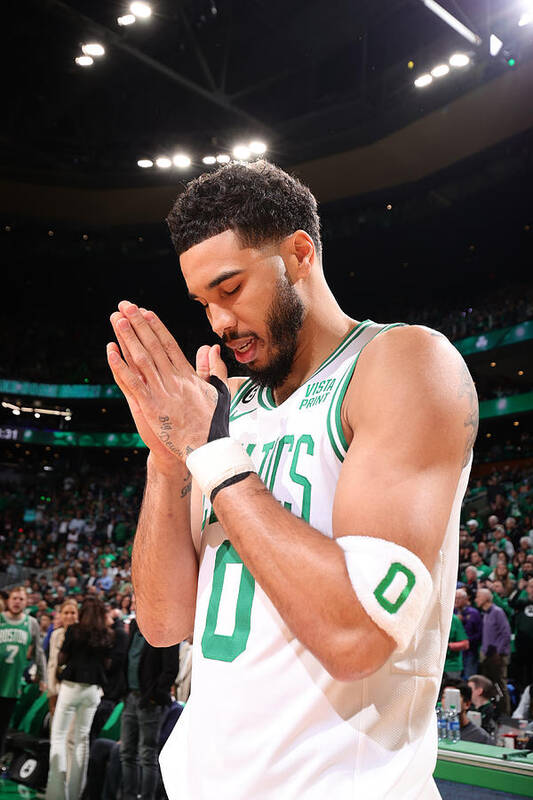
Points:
(241, 152)
(492, 363)
(37, 415)
(223, 159)
(145, 163)
(526, 18)
(495, 44)
(142, 10)
(16, 411)
(84, 61)
(520, 371)
(181, 160)
(423, 80)
(453, 22)
(209, 160)
(163, 162)
(68, 417)
(93, 49)
(258, 148)
(440, 70)
(127, 19)
(459, 60)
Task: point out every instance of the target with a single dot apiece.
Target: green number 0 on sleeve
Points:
(217, 646)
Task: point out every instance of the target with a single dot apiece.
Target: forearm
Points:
(457, 646)
(38, 652)
(304, 574)
(164, 562)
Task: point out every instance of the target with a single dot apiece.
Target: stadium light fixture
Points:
(241, 152)
(37, 412)
(127, 19)
(257, 148)
(223, 158)
(440, 70)
(453, 22)
(181, 160)
(145, 163)
(84, 61)
(209, 160)
(459, 60)
(495, 44)
(93, 49)
(163, 162)
(141, 10)
(423, 80)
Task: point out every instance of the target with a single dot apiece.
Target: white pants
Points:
(76, 705)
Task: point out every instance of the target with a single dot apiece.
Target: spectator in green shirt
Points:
(457, 642)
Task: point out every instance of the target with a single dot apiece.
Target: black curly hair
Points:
(260, 202)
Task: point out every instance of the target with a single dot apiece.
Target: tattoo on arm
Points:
(467, 389)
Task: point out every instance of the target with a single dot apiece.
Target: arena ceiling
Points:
(311, 78)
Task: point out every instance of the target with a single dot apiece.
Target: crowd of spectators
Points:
(492, 629)
(79, 540)
(497, 310)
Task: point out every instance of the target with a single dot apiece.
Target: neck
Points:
(324, 328)
(14, 617)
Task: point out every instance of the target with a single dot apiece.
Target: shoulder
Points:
(414, 377)
(408, 353)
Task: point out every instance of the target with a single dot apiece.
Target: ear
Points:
(300, 255)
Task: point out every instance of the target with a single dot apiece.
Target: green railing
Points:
(488, 409)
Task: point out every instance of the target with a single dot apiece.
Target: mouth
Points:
(245, 350)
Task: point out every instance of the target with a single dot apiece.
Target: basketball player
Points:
(317, 558)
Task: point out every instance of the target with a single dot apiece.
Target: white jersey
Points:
(265, 720)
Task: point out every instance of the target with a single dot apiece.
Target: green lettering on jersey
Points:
(284, 440)
(267, 449)
(216, 646)
(307, 440)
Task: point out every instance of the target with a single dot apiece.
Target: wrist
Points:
(172, 470)
(218, 464)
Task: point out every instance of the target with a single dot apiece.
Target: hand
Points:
(160, 385)
(42, 686)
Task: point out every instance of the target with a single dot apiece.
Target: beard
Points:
(284, 321)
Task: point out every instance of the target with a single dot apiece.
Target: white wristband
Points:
(216, 462)
(391, 583)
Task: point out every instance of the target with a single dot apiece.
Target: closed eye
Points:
(233, 291)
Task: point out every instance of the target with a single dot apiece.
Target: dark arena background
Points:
(412, 123)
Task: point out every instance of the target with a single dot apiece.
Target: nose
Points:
(221, 319)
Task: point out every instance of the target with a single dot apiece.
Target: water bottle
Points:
(454, 734)
(441, 723)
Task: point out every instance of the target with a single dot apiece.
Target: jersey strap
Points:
(334, 423)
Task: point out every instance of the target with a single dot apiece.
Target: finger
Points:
(139, 359)
(202, 362)
(124, 347)
(129, 383)
(169, 344)
(146, 336)
(216, 365)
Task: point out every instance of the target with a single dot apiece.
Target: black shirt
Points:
(84, 663)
